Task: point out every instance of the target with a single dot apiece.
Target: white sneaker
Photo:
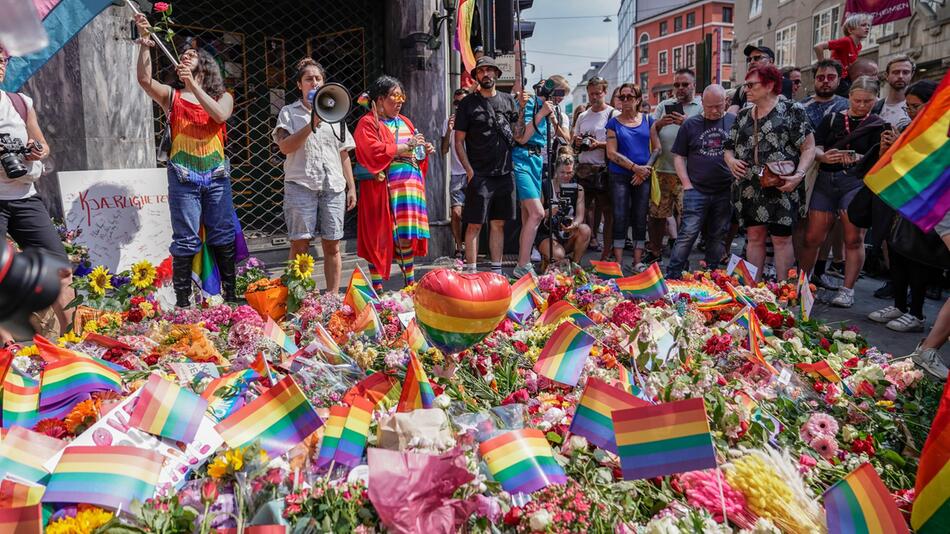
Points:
(844, 298)
(906, 323)
(640, 267)
(929, 360)
(885, 315)
(829, 282)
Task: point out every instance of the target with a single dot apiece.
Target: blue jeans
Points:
(631, 205)
(710, 214)
(191, 206)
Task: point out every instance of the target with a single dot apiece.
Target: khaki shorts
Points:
(671, 196)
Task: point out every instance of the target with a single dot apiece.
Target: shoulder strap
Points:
(19, 105)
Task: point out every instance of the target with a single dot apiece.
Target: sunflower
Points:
(100, 280)
(87, 520)
(302, 266)
(143, 274)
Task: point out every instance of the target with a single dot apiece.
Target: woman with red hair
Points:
(770, 146)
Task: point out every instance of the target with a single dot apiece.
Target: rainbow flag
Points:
(861, 503)
(21, 399)
(204, 271)
(323, 344)
(522, 461)
(607, 269)
(628, 384)
(739, 296)
(562, 310)
(331, 435)
(931, 511)
(416, 390)
(524, 298)
(352, 442)
(745, 400)
(22, 520)
(280, 418)
(664, 439)
(262, 368)
(374, 387)
(51, 353)
(273, 332)
(821, 368)
(648, 285)
(111, 476)
(15, 494)
(743, 274)
(414, 339)
(756, 338)
(913, 176)
(225, 395)
(806, 300)
(359, 292)
(563, 356)
(23, 453)
(463, 33)
(367, 324)
(592, 418)
(63, 381)
(166, 409)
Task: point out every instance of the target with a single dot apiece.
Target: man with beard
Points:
(893, 108)
(825, 100)
(483, 142)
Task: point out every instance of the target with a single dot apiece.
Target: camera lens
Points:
(12, 165)
(29, 281)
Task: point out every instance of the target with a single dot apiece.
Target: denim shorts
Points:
(457, 186)
(834, 191)
(311, 214)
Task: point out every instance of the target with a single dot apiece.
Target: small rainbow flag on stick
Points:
(280, 418)
(166, 409)
(524, 298)
(607, 269)
(352, 443)
(108, 476)
(14, 494)
(821, 368)
(592, 419)
(324, 345)
(648, 285)
(64, 381)
(756, 338)
(861, 503)
(225, 395)
(23, 453)
(931, 511)
(331, 434)
(262, 368)
(806, 299)
(563, 356)
(416, 390)
(913, 176)
(273, 332)
(628, 384)
(374, 387)
(367, 323)
(743, 270)
(664, 439)
(561, 310)
(21, 399)
(414, 338)
(22, 520)
(522, 461)
(359, 292)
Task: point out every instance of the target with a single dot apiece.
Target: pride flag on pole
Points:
(593, 416)
(111, 476)
(607, 269)
(522, 461)
(273, 332)
(563, 356)
(352, 443)
(561, 310)
(359, 292)
(367, 323)
(861, 503)
(931, 511)
(416, 390)
(524, 298)
(648, 285)
(23, 453)
(331, 434)
(166, 409)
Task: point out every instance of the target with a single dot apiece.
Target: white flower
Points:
(443, 401)
(540, 520)
(849, 335)
(662, 525)
(553, 415)
(578, 442)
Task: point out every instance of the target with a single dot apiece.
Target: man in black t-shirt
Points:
(483, 141)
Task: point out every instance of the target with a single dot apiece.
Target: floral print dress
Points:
(781, 135)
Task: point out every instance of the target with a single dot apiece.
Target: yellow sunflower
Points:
(68, 337)
(86, 520)
(218, 468)
(100, 280)
(143, 274)
(302, 267)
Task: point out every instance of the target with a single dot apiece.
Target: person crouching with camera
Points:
(564, 222)
(23, 215)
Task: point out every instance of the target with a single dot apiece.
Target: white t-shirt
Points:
(11, 123)
(317, 164)
(668, 133)
(895, 114)
(456, 165)
(593, 123)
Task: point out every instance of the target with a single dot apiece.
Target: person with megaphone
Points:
(392, 154)
(318, 177)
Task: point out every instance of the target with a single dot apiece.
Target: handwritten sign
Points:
(122, 213)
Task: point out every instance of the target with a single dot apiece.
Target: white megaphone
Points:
(331, 103)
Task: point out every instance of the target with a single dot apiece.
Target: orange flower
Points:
(83, 415)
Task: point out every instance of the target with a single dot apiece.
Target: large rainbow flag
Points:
(563, 357)
(648, 285)
(522, 461)
(931, 512)
(463, 33)
(592, 418)
(111, 476)
(913, 177)
(861, 503)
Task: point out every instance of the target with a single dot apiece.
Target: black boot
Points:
(224, 257)
(181, 280)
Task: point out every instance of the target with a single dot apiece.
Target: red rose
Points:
(513, 517)
(520, 346)
(161, 7)
(136, 315)
(825, 344)
(851, 362)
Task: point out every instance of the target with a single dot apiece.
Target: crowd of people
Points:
(784, 169)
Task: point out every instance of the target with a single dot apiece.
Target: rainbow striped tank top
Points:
(197, 151)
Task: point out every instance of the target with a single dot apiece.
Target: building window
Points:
(826, 25)
(690, 56)
(755, 8)
(785, 46)
(876, 33)
(644, 49)
(663, 28)
(690, 20)
(726, 52)
(661, 60)
(677, 24)
(677, 58)
(727, 14)
(644, 82)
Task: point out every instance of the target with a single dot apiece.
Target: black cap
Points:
(485, 61)
(764, 49)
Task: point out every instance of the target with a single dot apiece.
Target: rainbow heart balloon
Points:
(457, 310)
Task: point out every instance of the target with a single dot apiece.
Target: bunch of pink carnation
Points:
(702, 491)
(245, 313)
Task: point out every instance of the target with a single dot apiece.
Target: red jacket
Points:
(375, 150)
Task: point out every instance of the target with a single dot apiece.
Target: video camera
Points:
(564, 216)
(548, 89)
(11, 149)
(29, 281)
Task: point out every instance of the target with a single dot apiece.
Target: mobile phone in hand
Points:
(675, 108)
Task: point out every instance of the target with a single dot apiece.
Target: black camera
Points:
(548, 89)
(586, 143)
(11, 149)
(564, 216)
(29, 281)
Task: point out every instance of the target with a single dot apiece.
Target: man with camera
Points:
(590, 142)
(563, 230)
(23, 215)
(458, 179)
(669, 115)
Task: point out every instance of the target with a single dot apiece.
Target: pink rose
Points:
(161, 7)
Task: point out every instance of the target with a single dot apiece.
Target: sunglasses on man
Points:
(626, 98)
(752, 59)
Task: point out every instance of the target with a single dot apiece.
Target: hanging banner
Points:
(463, 33)
(882, 10)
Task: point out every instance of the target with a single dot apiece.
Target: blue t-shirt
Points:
(540, 136)
(702, 143)
(632, 142)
